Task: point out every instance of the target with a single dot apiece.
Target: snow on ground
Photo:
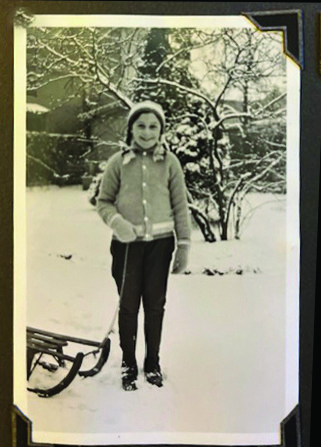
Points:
(223, 349)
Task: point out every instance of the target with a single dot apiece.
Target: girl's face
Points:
(146, 130)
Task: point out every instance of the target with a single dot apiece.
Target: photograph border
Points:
(292, 242)
(309, 169)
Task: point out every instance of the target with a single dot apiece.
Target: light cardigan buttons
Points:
(147, 200)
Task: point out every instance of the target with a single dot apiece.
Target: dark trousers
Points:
(145, 279)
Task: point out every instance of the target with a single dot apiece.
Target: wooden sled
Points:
(40, 342)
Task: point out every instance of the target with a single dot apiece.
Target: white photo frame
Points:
(42, 413)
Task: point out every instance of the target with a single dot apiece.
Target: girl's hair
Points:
(144, 107)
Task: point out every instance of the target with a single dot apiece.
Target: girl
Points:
(143, 200)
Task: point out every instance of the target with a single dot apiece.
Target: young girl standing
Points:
(143, 200)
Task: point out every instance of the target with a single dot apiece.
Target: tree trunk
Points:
(218, 179)
(224, 226)
(203, 224)
(238, 215)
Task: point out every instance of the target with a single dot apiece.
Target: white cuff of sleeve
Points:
(182, 242)
(111, 220)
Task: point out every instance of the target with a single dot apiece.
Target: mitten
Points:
(180, 258)
(124, 230)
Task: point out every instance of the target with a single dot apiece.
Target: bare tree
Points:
(83, 66)
(91, 59)
(227, 147)
(242, 61)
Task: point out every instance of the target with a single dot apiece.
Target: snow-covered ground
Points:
(223, 348)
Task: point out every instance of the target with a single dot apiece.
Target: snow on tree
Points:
(207, 130)
(81, 71)
(223, 92)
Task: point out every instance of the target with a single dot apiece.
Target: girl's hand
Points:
(180, 259)
(124, 230)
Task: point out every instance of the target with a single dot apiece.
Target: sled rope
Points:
(50, 343)
(112, 324)
(36, 363)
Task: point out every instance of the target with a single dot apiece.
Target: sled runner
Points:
(41, 343)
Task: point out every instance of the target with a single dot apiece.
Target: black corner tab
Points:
(289, 22)
(291, 429)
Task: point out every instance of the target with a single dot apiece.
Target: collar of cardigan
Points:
(129, 152)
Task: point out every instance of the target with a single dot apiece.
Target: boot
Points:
(129, 377)
(154, 377)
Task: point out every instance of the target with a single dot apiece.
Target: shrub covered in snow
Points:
(54, 158)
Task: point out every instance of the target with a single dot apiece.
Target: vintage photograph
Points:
(157, 177)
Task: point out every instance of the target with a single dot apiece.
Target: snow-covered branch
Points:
(186, 49)
(273, 144)
(109, 86)
(59, 55)
(265, 171)
(256, 115)
(231, 116)
(178, 86)
(270, 104)
(238, 185)
(106, 82)
(37, 160)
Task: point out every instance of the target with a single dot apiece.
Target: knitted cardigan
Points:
(148, 189)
